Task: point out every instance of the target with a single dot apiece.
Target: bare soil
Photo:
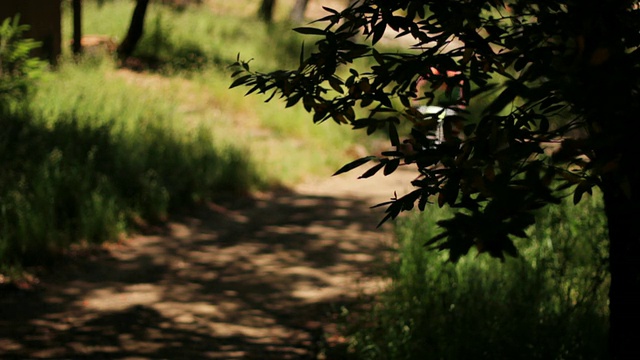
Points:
(255, 278)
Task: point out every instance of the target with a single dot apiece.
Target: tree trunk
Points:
(616, 112)
(77, 27)
(615, 109)
(622, 207)
(136, 29)
(266, 10)
(608, 98)
(297, 14)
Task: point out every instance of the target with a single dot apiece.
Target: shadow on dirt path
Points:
(254, 280)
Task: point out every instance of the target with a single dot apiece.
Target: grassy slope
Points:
(195, 46)
(101, 149)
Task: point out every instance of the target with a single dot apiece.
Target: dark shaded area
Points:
(43, 16)
(253, 259)
(59, 168)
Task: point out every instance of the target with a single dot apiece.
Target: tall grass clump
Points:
(550, 303)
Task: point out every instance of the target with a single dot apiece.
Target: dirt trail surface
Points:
(257, 279)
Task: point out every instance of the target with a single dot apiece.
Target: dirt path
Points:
(254, 280)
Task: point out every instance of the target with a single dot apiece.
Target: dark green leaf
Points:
(240, 81)
(336, 84)
(391, 166)
(328, 9)
(374, 169)
(292, 100)
(309, 31)
(378, 31)
(424, 200)
(354, 164)
(393, 134)
(236, 73)
(392, 153)
(583, 186)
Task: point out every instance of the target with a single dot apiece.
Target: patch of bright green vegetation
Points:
(193, 39)
(550, 303)
(191, 50)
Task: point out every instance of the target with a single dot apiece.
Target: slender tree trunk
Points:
(77, 27)
(266, 10)
(297, 13)
(136, 30)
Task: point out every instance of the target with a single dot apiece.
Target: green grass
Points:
(191, 51)
(550, 303)
(194, 38)
(93, 156)
(97, 151)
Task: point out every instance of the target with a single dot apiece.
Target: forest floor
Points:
(253, 278)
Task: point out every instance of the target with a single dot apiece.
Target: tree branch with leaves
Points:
(550, 96)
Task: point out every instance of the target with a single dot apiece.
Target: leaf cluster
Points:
(547, 90)
(17, 66)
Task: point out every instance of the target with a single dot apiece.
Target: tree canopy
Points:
(538, 100)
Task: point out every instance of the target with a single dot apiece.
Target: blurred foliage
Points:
(17, 68)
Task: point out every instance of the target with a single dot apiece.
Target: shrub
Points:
(17, 68)
(550, 303)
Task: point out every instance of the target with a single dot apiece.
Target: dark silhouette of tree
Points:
(265, 12)
(77, 26)
(549, 93)
(136, 29)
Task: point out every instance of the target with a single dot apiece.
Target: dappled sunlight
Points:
(120, 299)
(255, 278)
(127, 146)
